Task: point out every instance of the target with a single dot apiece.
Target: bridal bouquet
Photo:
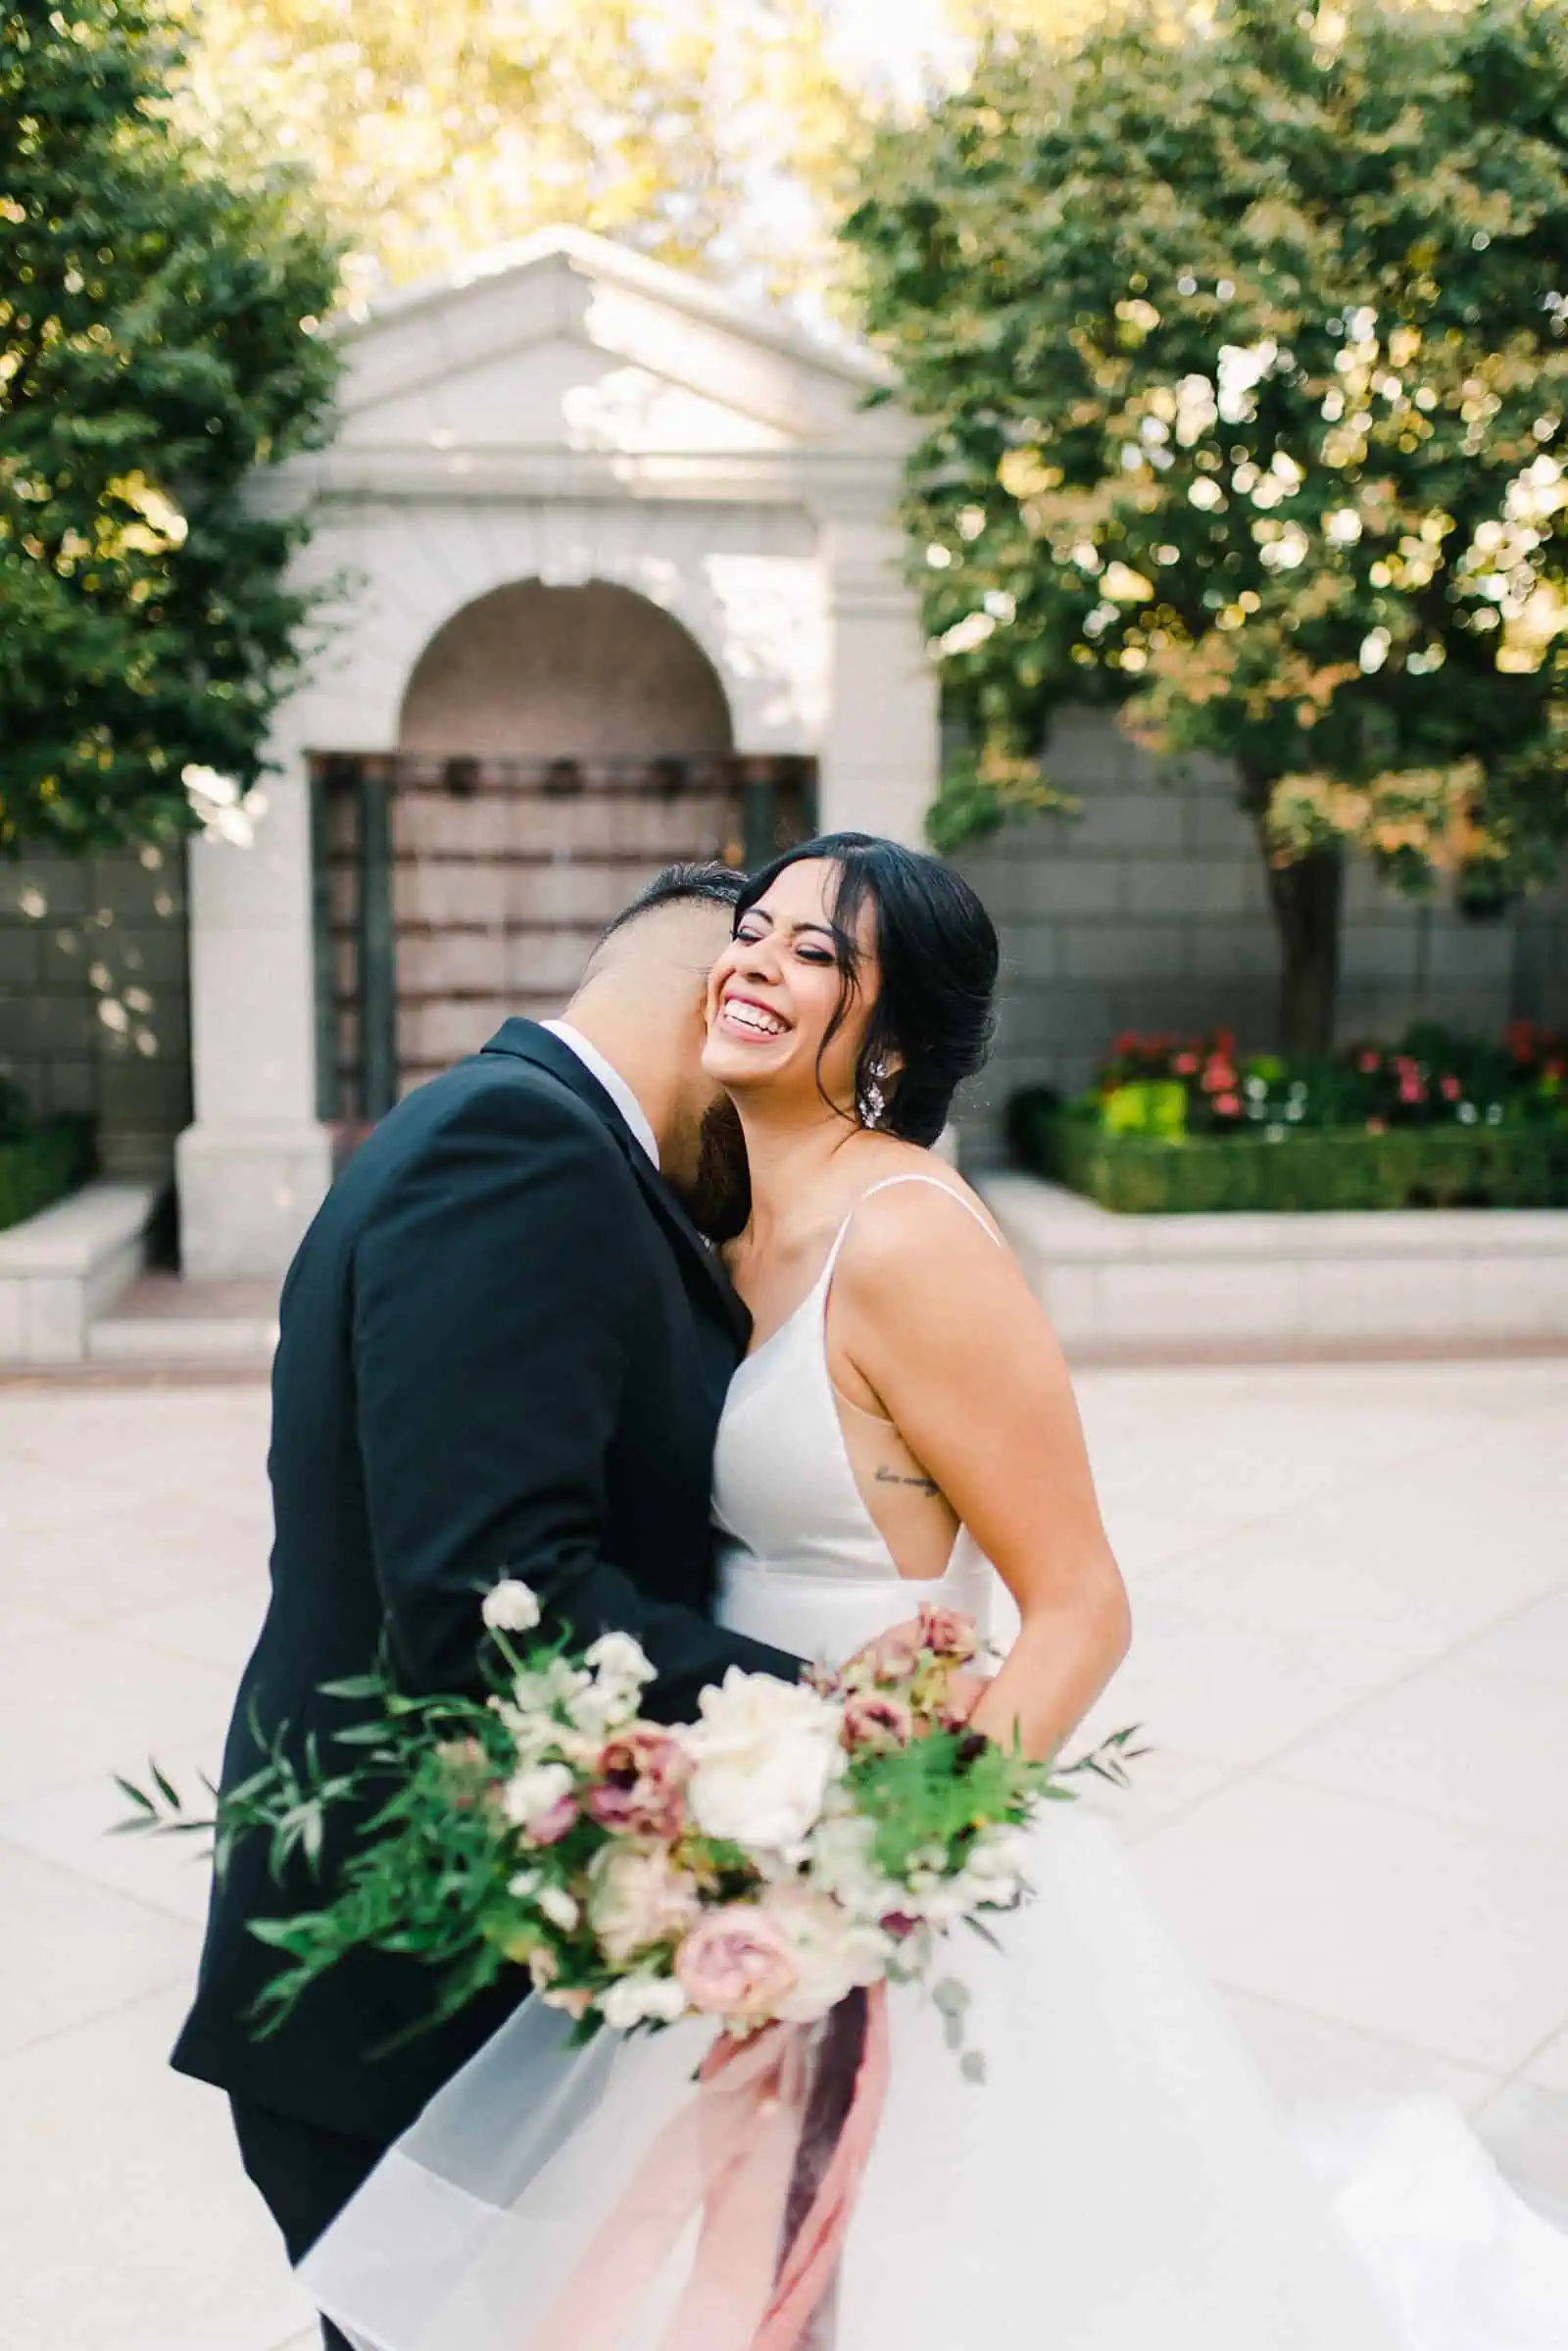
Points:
(796, 1843)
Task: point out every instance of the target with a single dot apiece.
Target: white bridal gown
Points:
(1120, 2181)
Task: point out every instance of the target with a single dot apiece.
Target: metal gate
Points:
(450, 893)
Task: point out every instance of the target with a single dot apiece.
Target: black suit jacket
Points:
(501, 1343)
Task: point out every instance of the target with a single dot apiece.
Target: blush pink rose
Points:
(874, 1718)
(736, 1962)
(640, 1785)
(948, 1634)
(549, 1827)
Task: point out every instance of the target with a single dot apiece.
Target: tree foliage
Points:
(710, 133)
(1241, 352)
(157, 344)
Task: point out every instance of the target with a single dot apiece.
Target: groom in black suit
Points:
(503, 1346)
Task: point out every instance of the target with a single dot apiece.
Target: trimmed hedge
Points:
(1414, 1167)
(37, 1169)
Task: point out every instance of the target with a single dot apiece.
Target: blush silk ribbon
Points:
(770, 2150)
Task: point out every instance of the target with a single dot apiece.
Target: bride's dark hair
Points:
(934, 1012)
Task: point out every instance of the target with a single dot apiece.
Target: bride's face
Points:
(774, 992)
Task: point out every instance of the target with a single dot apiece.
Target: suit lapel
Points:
(526, 1041)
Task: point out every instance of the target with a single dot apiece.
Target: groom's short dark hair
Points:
(711, 884)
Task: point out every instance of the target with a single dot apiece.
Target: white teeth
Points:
(752, 1016)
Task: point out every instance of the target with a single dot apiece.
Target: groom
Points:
(503, 1344)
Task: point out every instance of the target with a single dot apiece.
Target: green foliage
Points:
(980, 789)
(929, 1796)
(439, 131)
(40, 1162)
(1145, 1106)
(157, 345)
(1240, 349)
(1330, 1168)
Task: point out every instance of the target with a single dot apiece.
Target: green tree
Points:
(712, 134)
(158, 344)
(1241, 352)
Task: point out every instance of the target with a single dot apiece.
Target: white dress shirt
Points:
(609, 1077)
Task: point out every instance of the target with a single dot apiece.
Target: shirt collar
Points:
(609, 1077)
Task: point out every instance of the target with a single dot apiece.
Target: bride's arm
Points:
(942, 1324)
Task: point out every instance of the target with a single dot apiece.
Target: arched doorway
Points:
(596, 672)
(557, 747)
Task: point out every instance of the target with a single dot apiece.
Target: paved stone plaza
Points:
(1351, 1591)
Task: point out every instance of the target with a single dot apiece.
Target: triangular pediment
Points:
(570, 342)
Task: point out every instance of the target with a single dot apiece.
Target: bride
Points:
(904, 1428)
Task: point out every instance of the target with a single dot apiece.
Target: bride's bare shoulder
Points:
(901, 1205)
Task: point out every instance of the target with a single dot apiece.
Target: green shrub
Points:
(1416, 1167)
(41, 1167)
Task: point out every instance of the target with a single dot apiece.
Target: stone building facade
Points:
(605, 558)
(94, 999)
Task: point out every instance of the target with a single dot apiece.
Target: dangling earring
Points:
(873, 1102)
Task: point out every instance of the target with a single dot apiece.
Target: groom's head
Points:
(642, 1002)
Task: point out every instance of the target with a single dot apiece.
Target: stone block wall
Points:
(94, 1010)
(1150, 910)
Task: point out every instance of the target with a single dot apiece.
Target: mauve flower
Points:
(640, 1783)
(736, 1962)
(1227, 1106)
(874, 1718)
(947, 1632)
(893, 1655)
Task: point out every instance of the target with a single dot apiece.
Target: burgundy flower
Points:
(877, 1720)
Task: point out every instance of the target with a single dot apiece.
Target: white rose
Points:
(833, 1952)
(616, 1657)
(529, 1795)
(510, 1607)
(641, 2000)
(558, 1908)
(765, 1753)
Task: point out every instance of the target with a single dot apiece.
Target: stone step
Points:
(161, 1321)
(64, 1269)
(1458, 1280)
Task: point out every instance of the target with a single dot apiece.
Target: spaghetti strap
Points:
(913, 1175)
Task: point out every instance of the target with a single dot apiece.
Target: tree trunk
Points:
(1306, 900)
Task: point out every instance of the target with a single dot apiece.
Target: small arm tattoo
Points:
(894, 1477)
